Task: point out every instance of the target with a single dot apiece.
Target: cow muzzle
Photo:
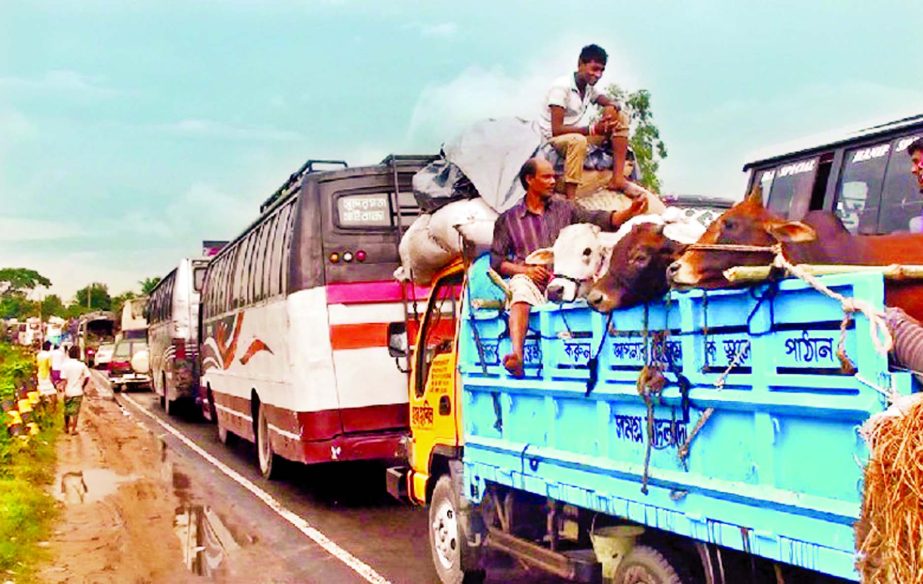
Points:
(562, 289)
(681, 275)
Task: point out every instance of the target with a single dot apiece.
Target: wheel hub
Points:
(445, 534)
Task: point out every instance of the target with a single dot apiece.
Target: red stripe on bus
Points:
(368, 292)
(358, 336)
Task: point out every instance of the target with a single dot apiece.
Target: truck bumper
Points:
(396, 482)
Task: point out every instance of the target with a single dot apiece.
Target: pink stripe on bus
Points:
(380, 291)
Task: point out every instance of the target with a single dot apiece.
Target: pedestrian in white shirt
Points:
(75, 376)
(58, 356)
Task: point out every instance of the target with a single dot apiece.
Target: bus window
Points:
(764, 180)
(860, 187)
(364, 210)
(792, 184)
(198, 278)
(901, 199)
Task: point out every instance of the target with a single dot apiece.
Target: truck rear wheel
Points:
(447, 539)
(646, 565)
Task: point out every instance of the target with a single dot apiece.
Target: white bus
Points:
(295, 318)
(172, 314)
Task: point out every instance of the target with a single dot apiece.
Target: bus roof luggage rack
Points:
(294, 179)
(408, 159)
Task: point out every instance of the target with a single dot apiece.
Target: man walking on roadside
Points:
(43, 367)
(565, 124)
(75, 376)
(531, 224)
(58, 356)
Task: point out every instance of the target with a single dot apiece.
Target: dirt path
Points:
(130, 514)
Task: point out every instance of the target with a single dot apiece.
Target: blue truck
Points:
(715, 436)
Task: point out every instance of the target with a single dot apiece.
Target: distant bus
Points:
(295, 317)
(94, 329)
(863, 176)
(173, 333)
(133, 323)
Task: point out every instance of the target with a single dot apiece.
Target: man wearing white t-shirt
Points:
(75, 376)
(566, 125)
(58, 356)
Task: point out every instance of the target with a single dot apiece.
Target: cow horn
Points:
(756, 194)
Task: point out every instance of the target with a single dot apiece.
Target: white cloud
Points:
(442, 30)
(19, 229)
(197, 127)
(59, 82)
(444, 109)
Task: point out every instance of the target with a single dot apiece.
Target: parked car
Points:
(130, 365)
(103, 356)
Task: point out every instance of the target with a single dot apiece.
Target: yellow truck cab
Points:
(434, 448)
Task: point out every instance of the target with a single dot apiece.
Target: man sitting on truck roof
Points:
(564, 115)
(534, 223)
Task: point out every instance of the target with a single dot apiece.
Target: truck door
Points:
(432, 397)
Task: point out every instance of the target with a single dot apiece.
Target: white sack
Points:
(474, 218)
(421, 255)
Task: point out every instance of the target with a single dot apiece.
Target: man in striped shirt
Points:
(532, 224)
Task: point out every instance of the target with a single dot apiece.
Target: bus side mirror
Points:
(397, 339)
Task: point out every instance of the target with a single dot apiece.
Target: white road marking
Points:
(354, 563)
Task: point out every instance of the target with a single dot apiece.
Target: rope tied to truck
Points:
(879, 331)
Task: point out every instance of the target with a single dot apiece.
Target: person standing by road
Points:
(43, 366)
(75, 376)
(58, 356)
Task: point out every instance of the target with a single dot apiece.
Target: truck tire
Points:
(447, 540)
(646, 565)
(267, 459)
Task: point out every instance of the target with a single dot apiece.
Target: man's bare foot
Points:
(513, 364)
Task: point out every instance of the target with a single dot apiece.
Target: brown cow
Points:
(820, 239)
(637, 269)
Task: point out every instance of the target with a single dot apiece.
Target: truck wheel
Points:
(645, 565)
(447, 539)
(267, 459)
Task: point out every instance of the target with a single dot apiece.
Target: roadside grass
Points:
(27, 468)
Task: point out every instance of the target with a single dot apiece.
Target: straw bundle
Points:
(889, 534)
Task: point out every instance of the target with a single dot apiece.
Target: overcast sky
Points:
(131, 131)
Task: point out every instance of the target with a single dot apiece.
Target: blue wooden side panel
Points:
(777, 468)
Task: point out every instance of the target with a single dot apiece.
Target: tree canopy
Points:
(21, 280)
(148, 284)
(645, 139)
(94, 296)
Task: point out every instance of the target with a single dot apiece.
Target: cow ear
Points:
(541, 257)
(792, 232)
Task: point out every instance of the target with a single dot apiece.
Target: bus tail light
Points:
(360, 256)
(179, 346)
(348, 257)
(334, 258)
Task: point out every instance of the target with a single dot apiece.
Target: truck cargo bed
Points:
(776, 470)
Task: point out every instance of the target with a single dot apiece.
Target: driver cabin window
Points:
(438, 334)
(901, 199)
(860, 185)
(792, 185)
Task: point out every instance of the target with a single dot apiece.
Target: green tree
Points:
(148, 284)
(94, 296)
(15, 286)
(119, 301)
(17, 306)
(21, 280)
(645, 139)
(53, 306)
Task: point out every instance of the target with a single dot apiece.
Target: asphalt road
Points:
(346, 504)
